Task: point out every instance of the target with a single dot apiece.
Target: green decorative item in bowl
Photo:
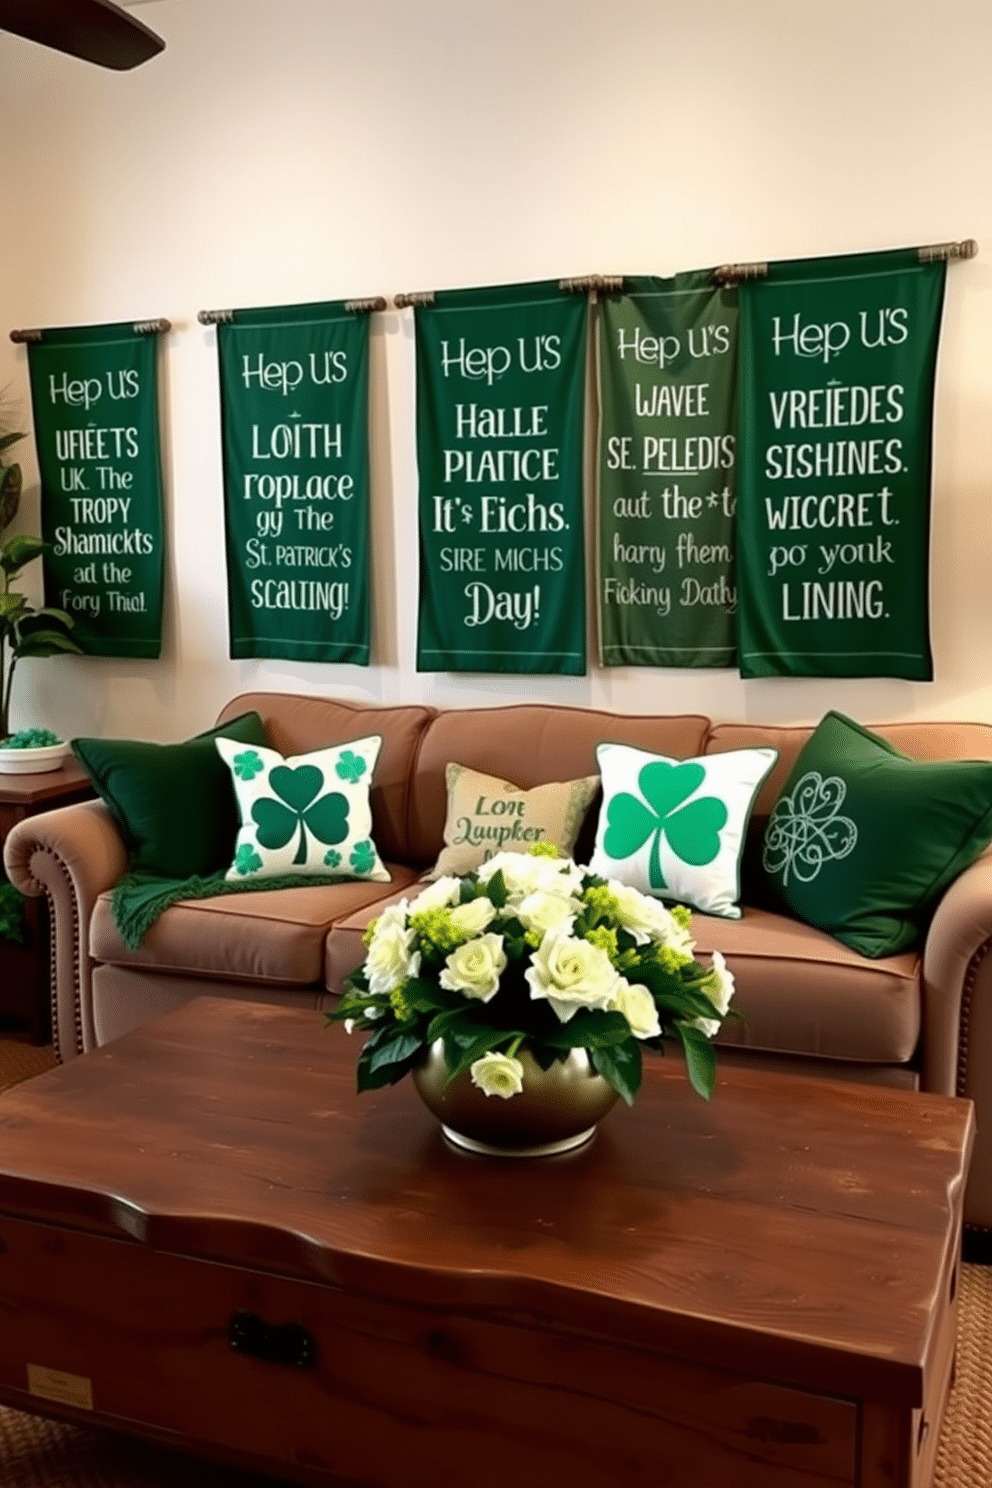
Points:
(32, 751)
(519, 997)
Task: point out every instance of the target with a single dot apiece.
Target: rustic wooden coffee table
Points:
(756, 1291)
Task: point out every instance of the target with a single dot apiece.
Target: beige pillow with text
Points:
(487, 816)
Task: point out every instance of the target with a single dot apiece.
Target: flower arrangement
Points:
(532, 949)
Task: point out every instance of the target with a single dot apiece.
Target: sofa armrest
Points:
(72, 856)
(957, 1016)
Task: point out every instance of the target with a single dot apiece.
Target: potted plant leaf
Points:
(24, 630)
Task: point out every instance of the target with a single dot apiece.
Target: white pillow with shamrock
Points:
(675, 828)
(306, 814)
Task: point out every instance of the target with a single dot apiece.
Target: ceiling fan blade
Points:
(95, 30)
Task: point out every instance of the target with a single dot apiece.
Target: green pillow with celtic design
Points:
(675, 828)
(862, 840)
(306, 814)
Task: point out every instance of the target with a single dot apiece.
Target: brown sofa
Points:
(921, 1018)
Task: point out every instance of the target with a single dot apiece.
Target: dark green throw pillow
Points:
(862, 840)
(173, 803)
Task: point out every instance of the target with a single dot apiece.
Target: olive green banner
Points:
(294, 405)
(838, 360)
(500, 386)
(94, 391)
(666, 584)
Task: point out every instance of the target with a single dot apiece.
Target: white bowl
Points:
(33, 761)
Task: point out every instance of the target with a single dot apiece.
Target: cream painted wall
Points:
(286, 150)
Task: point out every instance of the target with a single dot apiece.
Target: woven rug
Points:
(37, 1453)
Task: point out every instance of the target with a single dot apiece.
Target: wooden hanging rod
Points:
(355, 307)
(734, 273)
(139, 327)
(929, 253)
(967, 248)
(585, 284)
(588, 283)
(366, 307)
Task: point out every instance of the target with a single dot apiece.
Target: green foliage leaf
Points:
(384, 1061)
(49, 612)
(684, 1002)
(621, 1068)
(486, 1038)
(12, 606)
(590, 1029)
(496, 890)
(19, 550)
(10, 491)
(700, 1060)
(45, 643)
(428, 997)
(457, 1026)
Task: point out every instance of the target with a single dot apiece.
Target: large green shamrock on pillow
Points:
(300, 805)
(693, 830)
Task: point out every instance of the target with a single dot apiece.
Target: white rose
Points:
(638, 1007)
(648, 919)
(516, 868)
(525, 873)
(543, 911)
(571, 974)
(719, 989)
(473, 917)
(557, 875)
(474, 968)
(498, 1074)
(437, 895)
(391, 958)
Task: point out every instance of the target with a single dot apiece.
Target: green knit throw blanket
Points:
(138, 899)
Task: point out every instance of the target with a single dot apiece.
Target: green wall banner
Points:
(667, 361)
(500, 389)
(838, 359)
(94, 391)
(294, 405)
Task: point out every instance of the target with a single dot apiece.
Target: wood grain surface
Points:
(803, 1230)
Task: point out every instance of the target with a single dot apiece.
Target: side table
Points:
(24, 969)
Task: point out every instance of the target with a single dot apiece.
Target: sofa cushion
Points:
(172, 803)
(296, 724)
(676, 828)
(304, 813)
(272, 936)
(933, 740)
(530, 744)
(863, 840)
(802, 992)
(487, 815)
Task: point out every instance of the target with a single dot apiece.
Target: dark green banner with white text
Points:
(500, 389)
(294, 403)
(838, 359)
(666, 535)
(94, 391)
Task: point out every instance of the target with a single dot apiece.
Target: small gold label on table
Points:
(55, 1384)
